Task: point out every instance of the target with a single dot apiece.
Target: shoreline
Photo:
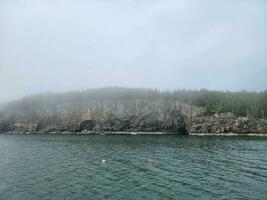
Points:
(132, 133)
(228, 134)
(92, 133)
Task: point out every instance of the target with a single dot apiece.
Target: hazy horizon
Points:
(60, 46)
(46, 93)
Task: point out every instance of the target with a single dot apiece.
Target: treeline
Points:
(251, 104)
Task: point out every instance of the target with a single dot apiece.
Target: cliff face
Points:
(118, 113)
(144, 116)
(180, 118)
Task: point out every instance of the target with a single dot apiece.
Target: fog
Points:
(63, 45)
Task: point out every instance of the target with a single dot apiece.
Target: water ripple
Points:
(71, 167)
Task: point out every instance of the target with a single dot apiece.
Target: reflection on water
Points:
(132, 167)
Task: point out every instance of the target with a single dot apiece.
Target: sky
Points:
(64, 45)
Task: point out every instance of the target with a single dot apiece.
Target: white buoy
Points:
(103, 161)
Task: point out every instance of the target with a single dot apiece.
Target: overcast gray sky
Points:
(62, 45)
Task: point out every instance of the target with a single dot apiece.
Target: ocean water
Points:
(184, 167)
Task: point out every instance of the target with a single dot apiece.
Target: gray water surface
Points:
(185, 167)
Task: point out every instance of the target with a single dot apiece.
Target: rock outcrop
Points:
(152, 119)
(226, 123)
(121, 113)
(181, 119)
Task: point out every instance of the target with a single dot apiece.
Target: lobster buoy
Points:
(149, 161)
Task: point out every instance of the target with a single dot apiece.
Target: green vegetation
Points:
(250, 104)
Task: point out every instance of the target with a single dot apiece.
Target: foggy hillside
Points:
(252, 104)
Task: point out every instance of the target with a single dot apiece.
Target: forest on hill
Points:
(243, 103)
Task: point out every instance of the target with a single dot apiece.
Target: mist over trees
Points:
(49, 105)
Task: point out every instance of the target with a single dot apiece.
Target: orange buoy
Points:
(149, 161)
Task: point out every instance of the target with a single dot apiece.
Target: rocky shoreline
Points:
(93, 133)
(228, 134)
(227, 124)
(133, 133)
(186, 120)
(118, 116)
